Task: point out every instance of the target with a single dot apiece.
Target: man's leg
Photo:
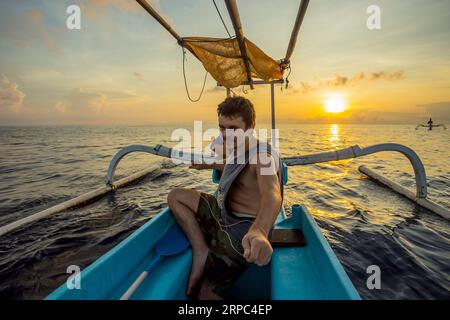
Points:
(224, 265)
(184, 203)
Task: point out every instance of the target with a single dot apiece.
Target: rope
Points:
(223, 22)
(180, 42)
(287, 77)
(185, 80)
(232, 91)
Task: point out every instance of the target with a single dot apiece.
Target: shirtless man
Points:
(252, 203)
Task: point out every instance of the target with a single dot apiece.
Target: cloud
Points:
(95, 8)
(138, 75)
(126, 6)
(342, 81)
(11, 97)
(81, 102)
(85, 102)
(97, 11)
(60, 107)
(36, 16)
(99, 103)
(36, 21)
(369, 115)
(375, 116)
(440, 111)
(30, 26)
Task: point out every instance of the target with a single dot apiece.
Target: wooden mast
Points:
(144, 4)
(237, 25)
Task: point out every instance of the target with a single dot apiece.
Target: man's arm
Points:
(257, 247)
(216, 166)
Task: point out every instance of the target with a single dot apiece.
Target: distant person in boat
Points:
(231, 231)
(430, 125)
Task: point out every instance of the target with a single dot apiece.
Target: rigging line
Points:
(287, 77)
(185, 80)
(223, 22)
(232, 91)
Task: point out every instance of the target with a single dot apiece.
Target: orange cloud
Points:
(24, 28)
(342, 81)
(11, 97)
(36, 26)
(138, 75)
(95, 7)
(36, 16)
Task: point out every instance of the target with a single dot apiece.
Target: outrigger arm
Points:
(420, 197)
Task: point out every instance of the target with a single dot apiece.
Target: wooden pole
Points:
(272, 104)
(424, 202)
(298, 22)
(144, 4)
(237, 25)
(75, 202)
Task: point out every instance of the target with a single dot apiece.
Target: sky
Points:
(122, 67)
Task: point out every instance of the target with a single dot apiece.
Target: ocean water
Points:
(365, 223)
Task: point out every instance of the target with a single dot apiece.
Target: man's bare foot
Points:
(198, 265)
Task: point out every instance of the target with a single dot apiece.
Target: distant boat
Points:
(430, 125)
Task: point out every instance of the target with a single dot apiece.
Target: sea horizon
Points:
(364, 222)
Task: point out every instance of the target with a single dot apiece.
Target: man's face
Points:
(230, 123)
(234, 125)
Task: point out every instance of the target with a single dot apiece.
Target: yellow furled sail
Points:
(222, 59)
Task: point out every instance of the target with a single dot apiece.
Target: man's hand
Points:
(257, 248)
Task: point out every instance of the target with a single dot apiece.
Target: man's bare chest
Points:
(246, 181)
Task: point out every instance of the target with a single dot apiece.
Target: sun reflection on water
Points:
(334, 135)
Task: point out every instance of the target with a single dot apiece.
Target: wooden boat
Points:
(310, 271)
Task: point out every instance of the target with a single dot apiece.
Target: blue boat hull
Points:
(297, 273)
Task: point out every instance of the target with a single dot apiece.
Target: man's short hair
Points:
(238, 106)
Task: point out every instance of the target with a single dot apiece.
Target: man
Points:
(231, 231)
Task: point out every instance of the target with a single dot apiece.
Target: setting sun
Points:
(335, 104)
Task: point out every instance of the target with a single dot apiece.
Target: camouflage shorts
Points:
(225, 262)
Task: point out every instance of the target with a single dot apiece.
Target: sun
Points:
(335, 104)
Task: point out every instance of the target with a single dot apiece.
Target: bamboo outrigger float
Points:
(310, 271)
